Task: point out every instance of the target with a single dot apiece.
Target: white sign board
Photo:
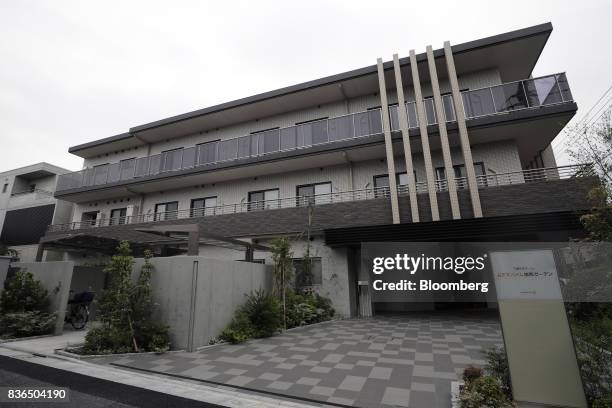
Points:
(528, 274)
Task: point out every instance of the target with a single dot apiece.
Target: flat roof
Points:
(526, 66)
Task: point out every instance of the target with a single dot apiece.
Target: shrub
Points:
(264, 313)
(23, 324)
(305, 308)
(22, 307)
(602, 402)
(497, 366)
(483, 392)
(260, 316)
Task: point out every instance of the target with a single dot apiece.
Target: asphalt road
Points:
(77, 399)
(84, 391)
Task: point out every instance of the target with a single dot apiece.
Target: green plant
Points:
(263, 311)
(259, 316)
(23, 305)
(306, 308)
(126, 310)
(602, 402)
(283, 270)
(497, 366)
(483, 392)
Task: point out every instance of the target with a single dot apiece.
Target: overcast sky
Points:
(76, 71)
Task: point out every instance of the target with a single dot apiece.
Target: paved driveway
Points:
(403, 361)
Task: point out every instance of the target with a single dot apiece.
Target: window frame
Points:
(255, 205)
(201, 211)
(121, 219)
(306, 200)
(165, 216)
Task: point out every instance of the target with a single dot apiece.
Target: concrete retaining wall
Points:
(197, 296)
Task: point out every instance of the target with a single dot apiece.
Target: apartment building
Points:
(27, 207)
(449, 144)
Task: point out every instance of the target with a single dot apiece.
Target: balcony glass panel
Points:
(394, 118)
(155, 164)
(207, 152)
(478, 103)
(449, 108)
(172, 160)
(413, 121)
(244, 147)
(566, 93)
(509, 97)
(88, 177)
(255, 150)
(368, 123)
(100, 174)
(271, 142)
(288, 138)
(142, 167)
(127, 168)
(114, 172)
(430, 111)
(228, 149)
(340, 128)
(189, 155)
(304, 135)
(542, 91)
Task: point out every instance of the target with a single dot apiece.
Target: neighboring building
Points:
(251, 169)
(27, 207)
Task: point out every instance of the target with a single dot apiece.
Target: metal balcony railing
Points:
(504, 98)
(483, 181)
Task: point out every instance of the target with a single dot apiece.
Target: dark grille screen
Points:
(26, 226)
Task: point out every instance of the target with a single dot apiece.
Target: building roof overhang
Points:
(514, 53)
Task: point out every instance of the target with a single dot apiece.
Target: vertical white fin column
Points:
(388, 142)
(446, 153)
(403, 123)
(463, 134)
(429, 173)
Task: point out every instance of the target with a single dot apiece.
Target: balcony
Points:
(489, 181)
(489, 101)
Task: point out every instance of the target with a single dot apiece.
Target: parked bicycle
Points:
(77, 313)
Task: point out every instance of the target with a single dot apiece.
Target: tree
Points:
(23, 307)
(126, 309)
(283, 270)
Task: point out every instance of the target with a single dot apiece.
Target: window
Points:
(460, 173)
(312, 194)
(166, 211)
(4, 188)
(118, 216)
(89, 218)
(266, 141)
(203, 206)
(302, 277)
(171, 159)
(265, 199)
(430, 111)
(381, 183)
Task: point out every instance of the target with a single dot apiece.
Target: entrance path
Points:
(395, 361)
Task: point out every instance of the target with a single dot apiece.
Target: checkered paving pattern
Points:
(404, 361)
